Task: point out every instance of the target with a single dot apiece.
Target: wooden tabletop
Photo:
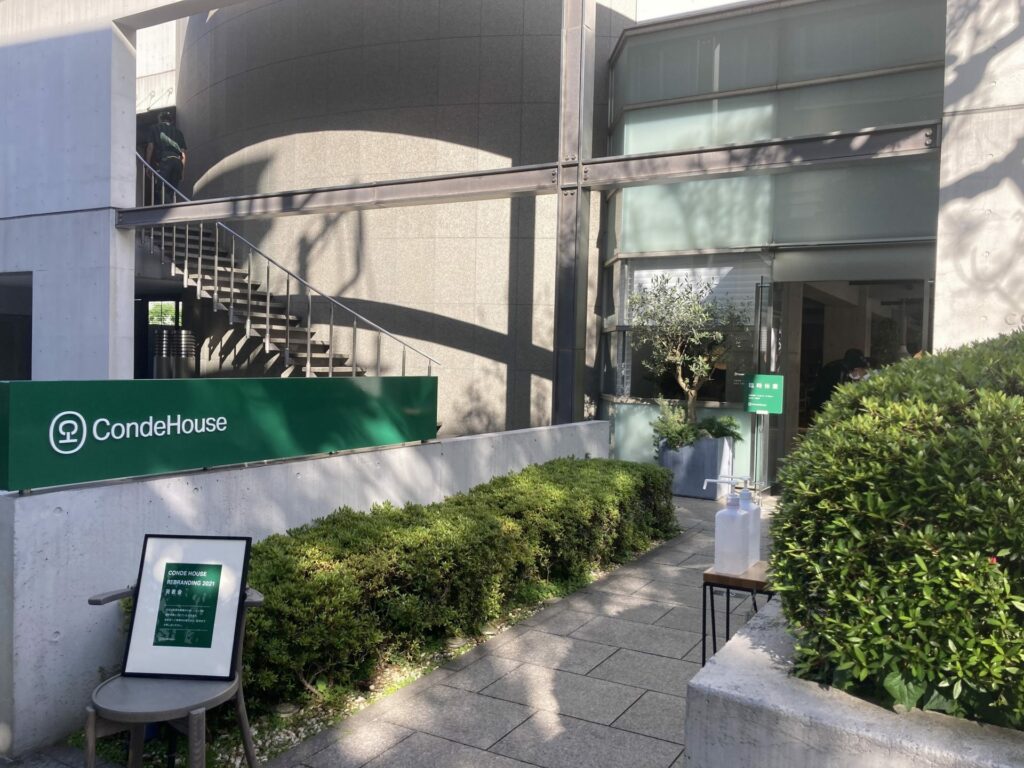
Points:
(754, 578)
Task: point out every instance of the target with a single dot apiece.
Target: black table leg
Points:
(714, 629)
(728, 612)
(704, 625)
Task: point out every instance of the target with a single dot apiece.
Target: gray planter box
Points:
(744, 709)
(691, 465)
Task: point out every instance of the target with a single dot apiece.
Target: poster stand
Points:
(189, 600)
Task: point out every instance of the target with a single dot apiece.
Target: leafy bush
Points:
(345, 591)
(673, 425)
(899, 539)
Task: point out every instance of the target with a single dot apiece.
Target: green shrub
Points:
(674, 426)
(345, 591)
(898, 542)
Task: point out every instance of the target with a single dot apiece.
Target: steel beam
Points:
(616, 172)
(575, 141)
(478, 185)
(594, 174)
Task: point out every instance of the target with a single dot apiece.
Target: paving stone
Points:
(661, 641)
(556, 652)
(658, 715)
(501, 638)
(358, 744)
(655, 571)
(668, 592)
(556, 741)
(698, 562)
(461, 662)
(619, 584)
(423, 751)
(687, 617)
(480, 674)
(628, 607)
(673, 555)
(545, 614)
(461, 716)
(643, 670)
(552, 690)
(564, 622)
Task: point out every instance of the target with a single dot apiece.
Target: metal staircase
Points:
(270, 304)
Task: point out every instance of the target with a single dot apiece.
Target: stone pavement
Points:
(595, 680)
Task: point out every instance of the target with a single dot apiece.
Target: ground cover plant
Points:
(898, 542)
(348, 591)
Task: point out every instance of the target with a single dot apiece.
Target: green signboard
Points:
(188, 605)
(60, 432)
(765, 393)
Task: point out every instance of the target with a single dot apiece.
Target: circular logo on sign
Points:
(67, 432)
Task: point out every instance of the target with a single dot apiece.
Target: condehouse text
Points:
(105, 429)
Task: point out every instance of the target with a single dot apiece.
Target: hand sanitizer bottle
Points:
(748, 505)
(732, 536)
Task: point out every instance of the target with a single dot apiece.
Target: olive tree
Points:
(686, 329)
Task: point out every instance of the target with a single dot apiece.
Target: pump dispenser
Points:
(747, 504)
(732, 533)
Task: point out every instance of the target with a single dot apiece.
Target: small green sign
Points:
(765, 393)
(188, 605)
(61, 432)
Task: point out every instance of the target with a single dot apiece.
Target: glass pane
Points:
(835, 38)
(709, 213)
(909, 97)
(894, 198)
(162, 312)
(804, 42)
(700, 124)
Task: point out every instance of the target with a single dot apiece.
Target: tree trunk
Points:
(691, 405)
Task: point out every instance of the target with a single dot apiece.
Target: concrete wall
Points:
(68, 131)
(979, 285)
(58, 547)
(296, 94)
(744, 709)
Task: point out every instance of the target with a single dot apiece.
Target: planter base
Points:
(744, 709)
(691, 465)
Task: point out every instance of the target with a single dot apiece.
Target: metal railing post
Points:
(231, 285)
(309, 334)
(352, 362)
(199, 262)
(288, 320)
(216, 264)
(184, 270)
(330, 348)
(248, 303)
(266, 336)
(378, 353)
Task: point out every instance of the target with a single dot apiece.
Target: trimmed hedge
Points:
(898, 542)
(345, 591)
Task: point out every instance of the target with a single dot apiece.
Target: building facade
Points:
(847, 171)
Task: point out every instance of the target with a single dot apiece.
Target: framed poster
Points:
(188, 605)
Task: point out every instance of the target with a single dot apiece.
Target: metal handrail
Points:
(290, 274)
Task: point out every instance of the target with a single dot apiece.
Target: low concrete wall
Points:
(58, 547)
(744, 709)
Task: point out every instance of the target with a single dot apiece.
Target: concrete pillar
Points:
(69, 117)
(979, 283)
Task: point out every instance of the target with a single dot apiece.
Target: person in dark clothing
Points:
(853, 367)
(167, 151)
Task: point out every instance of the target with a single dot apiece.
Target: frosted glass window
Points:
(909, 97)
(709, 213)
(700, 124)
(862, 201)
(846, 37)
(804, 42)
(895, 198)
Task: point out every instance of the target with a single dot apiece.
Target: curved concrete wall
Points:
(304, 93)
